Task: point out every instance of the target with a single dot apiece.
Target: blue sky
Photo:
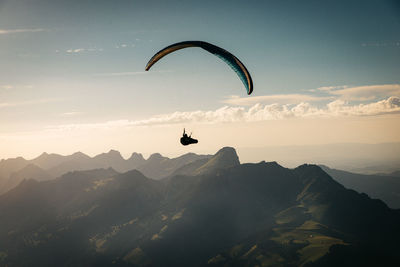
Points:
(74, 63)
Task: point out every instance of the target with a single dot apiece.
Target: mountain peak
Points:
(226, 157)
(136, 156)
(79, 155)
(44, 155)
(114, 152)
(229, 155)
(47, 157)
(306, 166)
(270, 163)
(227, 149)
(156, 156)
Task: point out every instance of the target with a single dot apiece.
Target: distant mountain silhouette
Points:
(383, 187)
(111, 159)
(156, 166)
(30, 171)
(353, 157)
(136, 160)
(75, 162)
(47, 161)
(8, 166)
(230, 214)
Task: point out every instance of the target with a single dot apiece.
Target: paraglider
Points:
(227, 57)
(187, 140)
(230, 59)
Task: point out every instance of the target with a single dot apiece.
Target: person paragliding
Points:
(187, 140)
(226, 56)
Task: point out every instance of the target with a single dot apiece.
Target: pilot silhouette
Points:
(187, 140)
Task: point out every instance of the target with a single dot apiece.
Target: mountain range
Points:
(49, 166)
(385, 187)
(214, 212)
(352, 157)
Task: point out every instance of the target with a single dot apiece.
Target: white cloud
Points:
(368, 92)
(77, 50)
(124, 46)
(360, 93)
(325, 88)
(71, 113)
(80, 50)
(343, 92)
(330, 88)
(284, 98)
(257, 112)
(387, 106)
(4, 31)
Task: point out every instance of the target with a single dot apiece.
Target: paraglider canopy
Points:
(230, 59)
(187, 140)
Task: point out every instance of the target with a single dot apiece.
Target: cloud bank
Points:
(343, 92)
(255, 113)
(284, 98)
(259, 112)
(369, 92)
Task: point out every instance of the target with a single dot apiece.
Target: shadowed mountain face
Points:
(227, 214)
(385, 187)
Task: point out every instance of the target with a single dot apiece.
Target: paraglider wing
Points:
(230, 59)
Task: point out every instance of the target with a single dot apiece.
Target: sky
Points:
(72, 75)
